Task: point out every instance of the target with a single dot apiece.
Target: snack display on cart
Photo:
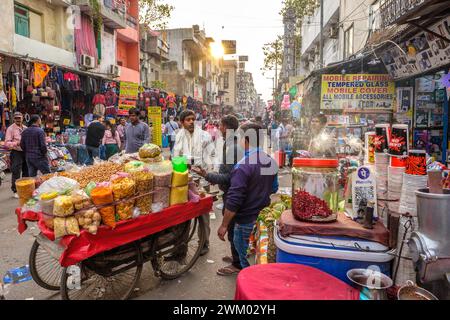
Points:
(84, 198)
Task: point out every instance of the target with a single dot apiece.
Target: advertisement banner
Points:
(155, 117)
(127, 97)
(419, 54)
(357, 91)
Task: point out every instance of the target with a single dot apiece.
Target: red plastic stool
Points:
(287, 281)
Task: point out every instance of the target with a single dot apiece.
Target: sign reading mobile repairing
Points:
(229, 46)
(154, 117)
(357, 91)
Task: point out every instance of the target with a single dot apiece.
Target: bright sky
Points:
(252, 23)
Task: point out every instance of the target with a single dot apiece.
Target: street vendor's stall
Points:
(104, 221)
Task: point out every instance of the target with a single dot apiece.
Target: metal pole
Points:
(321, 33)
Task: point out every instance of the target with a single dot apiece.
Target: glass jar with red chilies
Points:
(315, 189)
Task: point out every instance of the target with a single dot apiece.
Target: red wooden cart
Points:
(108, 265)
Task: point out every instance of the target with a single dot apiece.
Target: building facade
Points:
(185, 73)
(68, 33)
(229, 83)
(154, 52)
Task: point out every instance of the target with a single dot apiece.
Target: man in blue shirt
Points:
(253, 180)
(34, 146)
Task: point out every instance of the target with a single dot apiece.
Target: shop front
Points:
(420, 66)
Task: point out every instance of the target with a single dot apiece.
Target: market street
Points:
(200, 283)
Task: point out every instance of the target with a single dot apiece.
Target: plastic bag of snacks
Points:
(149, 151)
(81, 200)
(60, 184)
(90, 220)
(134, 166)
(161, 196)
(159, 158)
(91, 185)
(144, 184)
(65, 227)
(162, 173)
(63, 206)
(101, 196)
(180, 179)
(179, 195)
(25, 189)
(123, 187)
(47, 202)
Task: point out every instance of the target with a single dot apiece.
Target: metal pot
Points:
(432, 213)
(412, 292)
(373, 284)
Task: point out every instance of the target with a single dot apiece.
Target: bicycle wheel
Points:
(44, 268)
(174, 257)
(107, 276)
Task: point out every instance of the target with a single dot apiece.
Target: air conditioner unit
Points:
(114, 70)
(333, 32)
(87, 62)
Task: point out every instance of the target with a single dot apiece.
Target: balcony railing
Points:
(393, 10)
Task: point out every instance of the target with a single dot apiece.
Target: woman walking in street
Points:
(111, 140)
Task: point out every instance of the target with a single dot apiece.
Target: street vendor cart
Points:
(109, 264)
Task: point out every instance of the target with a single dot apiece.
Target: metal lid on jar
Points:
(315, 163)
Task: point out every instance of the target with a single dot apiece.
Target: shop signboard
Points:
(357, 91)
(127, 97)
(155, 118)
(229, 46)
(419, 54)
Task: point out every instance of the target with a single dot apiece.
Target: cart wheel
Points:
(174, 258)
(45, 270)
(107, 276)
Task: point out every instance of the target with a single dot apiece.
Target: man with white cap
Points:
(19, 166)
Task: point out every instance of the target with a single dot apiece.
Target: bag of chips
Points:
(65, 227)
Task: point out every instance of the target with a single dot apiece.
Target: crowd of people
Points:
(224, 152)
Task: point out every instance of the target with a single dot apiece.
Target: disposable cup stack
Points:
(395, 182)
(381, 167)
(411, 183)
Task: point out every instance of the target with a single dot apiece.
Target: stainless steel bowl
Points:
(412, 292)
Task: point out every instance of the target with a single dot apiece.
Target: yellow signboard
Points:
(357, 91)
(155, 117)
(129, 90)
(128, 96)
